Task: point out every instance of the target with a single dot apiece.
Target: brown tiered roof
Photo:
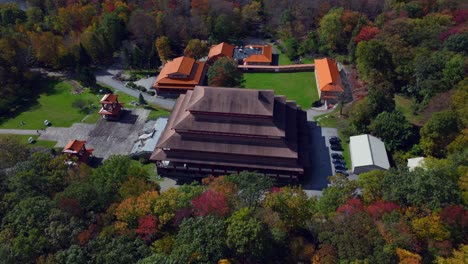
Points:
(251, 129)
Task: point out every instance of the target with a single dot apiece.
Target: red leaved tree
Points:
(377, 209)
(147, 227)
(352, 206)
(210, 202)
(367, 33)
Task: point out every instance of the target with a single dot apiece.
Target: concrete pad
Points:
(146, 82)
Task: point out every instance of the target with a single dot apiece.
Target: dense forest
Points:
(416, 49)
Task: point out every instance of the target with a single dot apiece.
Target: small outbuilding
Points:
(367, 153)
(77, 148)
(414, 163)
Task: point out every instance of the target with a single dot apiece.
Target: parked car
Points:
(336, 147)
(340, 167)
(342, 172)
(334, 140)
(336, 156)
(339, 161)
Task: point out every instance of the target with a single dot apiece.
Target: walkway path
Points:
(18, 131)
(106, 77)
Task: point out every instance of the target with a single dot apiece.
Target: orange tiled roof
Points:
(74, 146)
(222, 48)
(266, 55)
(182, 65)
(109, 98)
(328, 76)
(163, 81)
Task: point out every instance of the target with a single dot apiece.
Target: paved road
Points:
(105, 77)
(18, 131)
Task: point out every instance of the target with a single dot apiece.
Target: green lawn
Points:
(405, 106)
(37, 143)
(55, 105)
(298, 86)
(328, 120)
(283, 59)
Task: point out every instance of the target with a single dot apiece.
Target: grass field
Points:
(55, 105)
(328, 120)
(298, 86)
(37, 143)
(405, 106)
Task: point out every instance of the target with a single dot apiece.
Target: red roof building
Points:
(328, 80)
(111, 108)
(77, 148)
(263, 57)
(219, 131)
(180, 75)
(221, 50)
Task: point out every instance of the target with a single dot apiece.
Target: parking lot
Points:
(316, 177)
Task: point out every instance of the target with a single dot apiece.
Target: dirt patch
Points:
(438, 103)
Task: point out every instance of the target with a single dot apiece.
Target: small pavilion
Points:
(77, 148)
(111, 108)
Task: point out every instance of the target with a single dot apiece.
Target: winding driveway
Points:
(105, 77)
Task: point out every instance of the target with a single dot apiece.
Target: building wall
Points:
(362, 169)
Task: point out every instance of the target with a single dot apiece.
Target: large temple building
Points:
(218, 131)
(180, 75)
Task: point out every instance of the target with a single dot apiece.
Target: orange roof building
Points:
(77, 148)
(262, 57)
(111, 108)
(223, 49)
(180, 75)
(328, 79)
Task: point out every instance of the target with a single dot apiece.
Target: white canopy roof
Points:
(367, 150)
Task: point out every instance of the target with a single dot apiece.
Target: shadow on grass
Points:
(30, 103)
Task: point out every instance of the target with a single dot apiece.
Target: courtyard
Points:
(298, 86)
(105, 137)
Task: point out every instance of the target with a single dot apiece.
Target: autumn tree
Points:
(330, 31)
(247, 236)
(112, 27)
(433, 188)
(373, 60)
(371, 185)
(293, 206)
(13, 151)
(210, 203)
(393, 129)
(200, 240)
(438, 132)
(252, 187)
(147, 227)
(163, 46)
(224, 73)
(367, 33)
(196, 49)
(131, 210)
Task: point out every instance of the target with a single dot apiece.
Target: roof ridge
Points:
(370, 148)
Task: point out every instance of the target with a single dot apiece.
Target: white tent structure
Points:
(415, 162)
(367, 153)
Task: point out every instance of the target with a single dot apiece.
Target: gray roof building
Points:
(367, 153)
